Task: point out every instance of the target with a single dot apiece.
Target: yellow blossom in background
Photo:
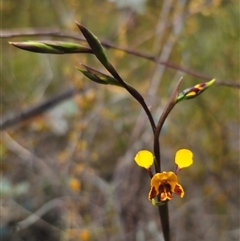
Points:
(84, 235)
(82, 145)
(144, 158)
(78, 234)
(74, 184)
(78, 168)
(183, 158)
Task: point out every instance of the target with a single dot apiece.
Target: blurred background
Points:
(67, 169)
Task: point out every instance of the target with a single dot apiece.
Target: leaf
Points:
(95, 45)
(97, 76)
(51, 47)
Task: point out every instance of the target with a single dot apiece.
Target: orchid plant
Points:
(163, 184)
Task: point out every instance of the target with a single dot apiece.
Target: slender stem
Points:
(164, 217)
(135, 94)
(163, 209)
(171, 103)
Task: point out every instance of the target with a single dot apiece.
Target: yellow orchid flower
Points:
(165, 184)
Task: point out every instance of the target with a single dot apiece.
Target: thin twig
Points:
(34, 217)
(229, 83)
(14, 118)
(29, 158)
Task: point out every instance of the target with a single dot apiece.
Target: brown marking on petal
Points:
(200, 86)
(165, 191)
(152, 194)
(179, 190)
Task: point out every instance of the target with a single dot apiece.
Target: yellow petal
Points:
(172, 180)
(144, 158)
(192, 93)
(162, 178)
(184, 158)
